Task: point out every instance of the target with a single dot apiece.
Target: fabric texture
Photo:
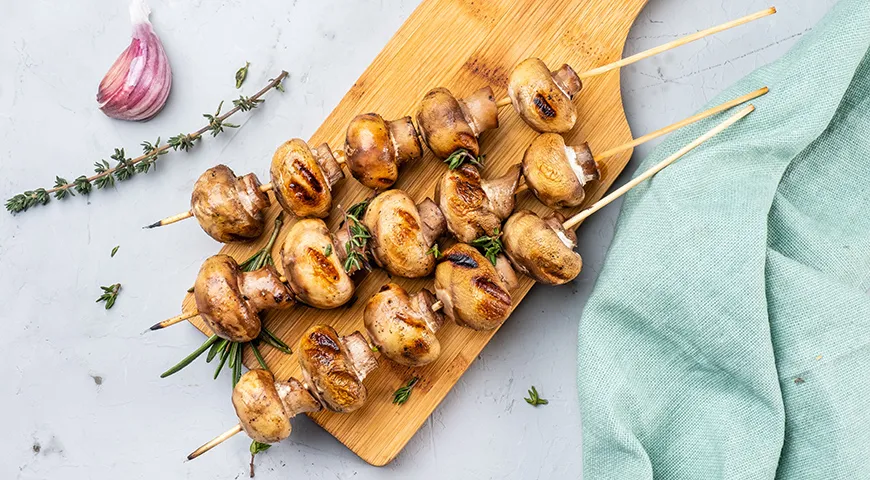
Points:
(728, 334)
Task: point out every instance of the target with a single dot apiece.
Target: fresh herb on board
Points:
(434, 251)
(457, 158)
(401, 395)
(358, 236)
(105, 174)
(489, 245)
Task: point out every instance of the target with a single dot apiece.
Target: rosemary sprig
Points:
(461, 156)
(231, 352)
(241, 74)
(257, 447)
(104, 174)
(356, 247)
(489, 245)
(110, 294)
(404, 392)
(534, 398)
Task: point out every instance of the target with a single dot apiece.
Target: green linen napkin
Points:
(728, 335)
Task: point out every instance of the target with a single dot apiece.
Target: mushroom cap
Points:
(259, 407)
(474, 293)
(473, 207)
(329, 371)
(541, 248)
(221, 303)
(543, 98)
(376, 149)
(447, 124)
(403, 327)
(298, 182)
(557, 173)
(398, 242)
(229, 208)
(317, 279)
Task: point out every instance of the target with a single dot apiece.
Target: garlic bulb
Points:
(138, 83)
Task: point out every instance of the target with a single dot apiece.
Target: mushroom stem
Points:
(576, 219)
(266, 187)
(170, 220)
(682, 123)
(215, 441)
(663, 48)
(437, 306)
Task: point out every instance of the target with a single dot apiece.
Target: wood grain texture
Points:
(462, 45)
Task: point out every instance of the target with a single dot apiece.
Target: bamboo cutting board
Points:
(462, 45)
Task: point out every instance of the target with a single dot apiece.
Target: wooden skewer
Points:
(215, 441)
(663, 48)
(576, 219)
(186, 316)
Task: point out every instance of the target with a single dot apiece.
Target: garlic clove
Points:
(137, 84)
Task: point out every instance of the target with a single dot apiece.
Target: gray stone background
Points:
(80, 384)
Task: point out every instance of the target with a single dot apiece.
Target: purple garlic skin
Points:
(137, 84)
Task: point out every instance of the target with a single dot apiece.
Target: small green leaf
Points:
(401, 395)
(110, 294)
(257, 447)
(534, 398)
(327, 251)
(241, 74)
(115, 250)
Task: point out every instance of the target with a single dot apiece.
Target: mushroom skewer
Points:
(543, 248)
(557, 174)
(333, 370)
(543, 99)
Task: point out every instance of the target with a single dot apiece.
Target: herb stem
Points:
(190, 358)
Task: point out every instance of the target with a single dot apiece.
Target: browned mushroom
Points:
(265, 407)
(541, 248)
(557, 173)
(474, 292)
(302, 178)
(473, 207)
(313, 267)
(227, 207)
(448, 124)
(403, 327)
(543, 98)
(229, 299)
(335, 367)
(403, 233)
(376, 149)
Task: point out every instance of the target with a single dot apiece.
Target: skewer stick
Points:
(576, 219)
(663, 48)
(215, 441)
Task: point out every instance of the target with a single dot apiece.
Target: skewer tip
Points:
(772, 10)
(153, 225)
(156, 326)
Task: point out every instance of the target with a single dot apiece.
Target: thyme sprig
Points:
(358, 235)
(105, 174)
(489, 245)
(461, 156)
(110, 294)
(402, 395)
(534, 399)
(257, 447)
(435, 251)
(230, 353)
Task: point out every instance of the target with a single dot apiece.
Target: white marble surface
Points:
(80, 384)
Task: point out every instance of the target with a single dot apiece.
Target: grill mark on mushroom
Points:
(491, 289)
(543, 107)
(461, 260)
(324, 266)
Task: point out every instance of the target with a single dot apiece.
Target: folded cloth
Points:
(728, 335)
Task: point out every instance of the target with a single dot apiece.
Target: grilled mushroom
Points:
(302, 178)
(473, 207)
(335, 367)
(229, 299)
(376, 149)
(543, 98)
(403, 233)
(475, 293)
(448, 124)
(557, 173)
(229, 208)
(265, 407)
(312, 265)
(403, 327)
(541, 248)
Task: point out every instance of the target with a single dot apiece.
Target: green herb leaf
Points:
(241, 74)
(404, 392)
(457, 158)
(190, 358)
(356, 248)
(182, 142)
(257, 447)
(110, 294)
(534, 398)
(215, 123)
(489, 245)
(83, 185)
(246, 103)
(115, 250)
(434, 251)
(327, 251)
